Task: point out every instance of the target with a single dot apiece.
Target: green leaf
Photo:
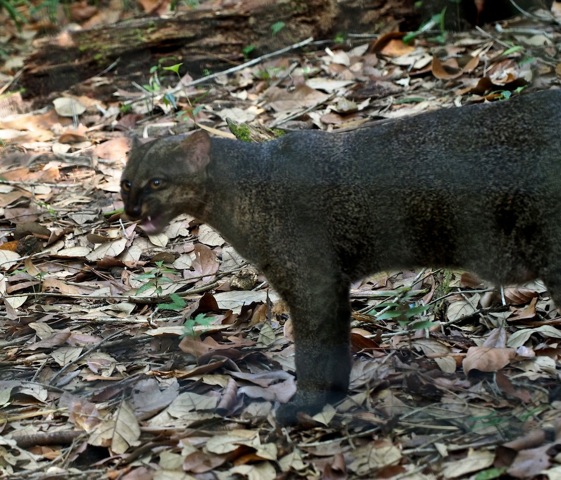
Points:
(247, 50)
(173, 68)
(146, 276)
(188, 328)
(189, 325)
(508, 51)
(421, 324)
(177, 303)
(410, 100)
(340, 38)
(277, 27)
(491, 473)
(110, 213)
(144, 287)
(202, 319)
(17, 17)
(413, 311)
(389, 315)
(169, 99)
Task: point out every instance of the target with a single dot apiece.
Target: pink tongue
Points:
(149, 226)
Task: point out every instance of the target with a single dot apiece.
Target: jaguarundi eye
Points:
(126, 185)
(156, 183)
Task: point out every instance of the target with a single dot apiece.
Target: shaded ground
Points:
(132, 357)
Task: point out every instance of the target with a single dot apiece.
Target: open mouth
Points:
(152, 225)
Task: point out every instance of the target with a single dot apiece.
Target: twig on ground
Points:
(255, 61)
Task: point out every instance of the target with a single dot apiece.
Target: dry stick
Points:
(128, 298)
(299, 113)
(38, 184)
(192, 291)
(277, 82)
(229, 70)
(63, 437)
(522, 11)
(11, 82)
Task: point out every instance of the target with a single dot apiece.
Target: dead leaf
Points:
(68, 107)
(445, 70)
(109, 249)
(487, 359)
(475, 461)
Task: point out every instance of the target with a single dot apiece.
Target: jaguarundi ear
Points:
(134, 142)
(198, 147)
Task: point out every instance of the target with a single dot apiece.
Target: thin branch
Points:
(237, 68)
(38, 184)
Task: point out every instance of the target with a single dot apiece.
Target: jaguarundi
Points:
(476, 187)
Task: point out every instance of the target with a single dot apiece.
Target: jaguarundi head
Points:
(155, 191)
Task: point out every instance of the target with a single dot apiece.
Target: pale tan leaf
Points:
(338, 56)
(83, 414)
(496, 339)
(110, 249)
(66, 355)
(101, 363)
(326, 84)
(221, 444)
(475, 461)
(326, 415)
(281, 392)
(6, 388)
(57, 339)
(114, 149)
(374, 456)
(31, 268)
(52, 283)
(168, 330)
(16, 302)
(8, 259)
(266, 336)
(43, 330)
(235, 299)
(160, 240)
(487, 359)
(127, 430)
(229, 397)
(462, 308)
(68, 107)
(210, 237)
(431, 348)
(446, 364)
(520, 337)
(183, 262)
(188, 402)
(150, 396)
(257, 471)
(74, 252)
(293, 461)
(34, 390)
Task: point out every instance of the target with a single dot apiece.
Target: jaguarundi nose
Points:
(133, 212)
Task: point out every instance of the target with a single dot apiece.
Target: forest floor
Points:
(135, 357)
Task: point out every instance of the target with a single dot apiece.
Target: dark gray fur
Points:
(477, 187)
